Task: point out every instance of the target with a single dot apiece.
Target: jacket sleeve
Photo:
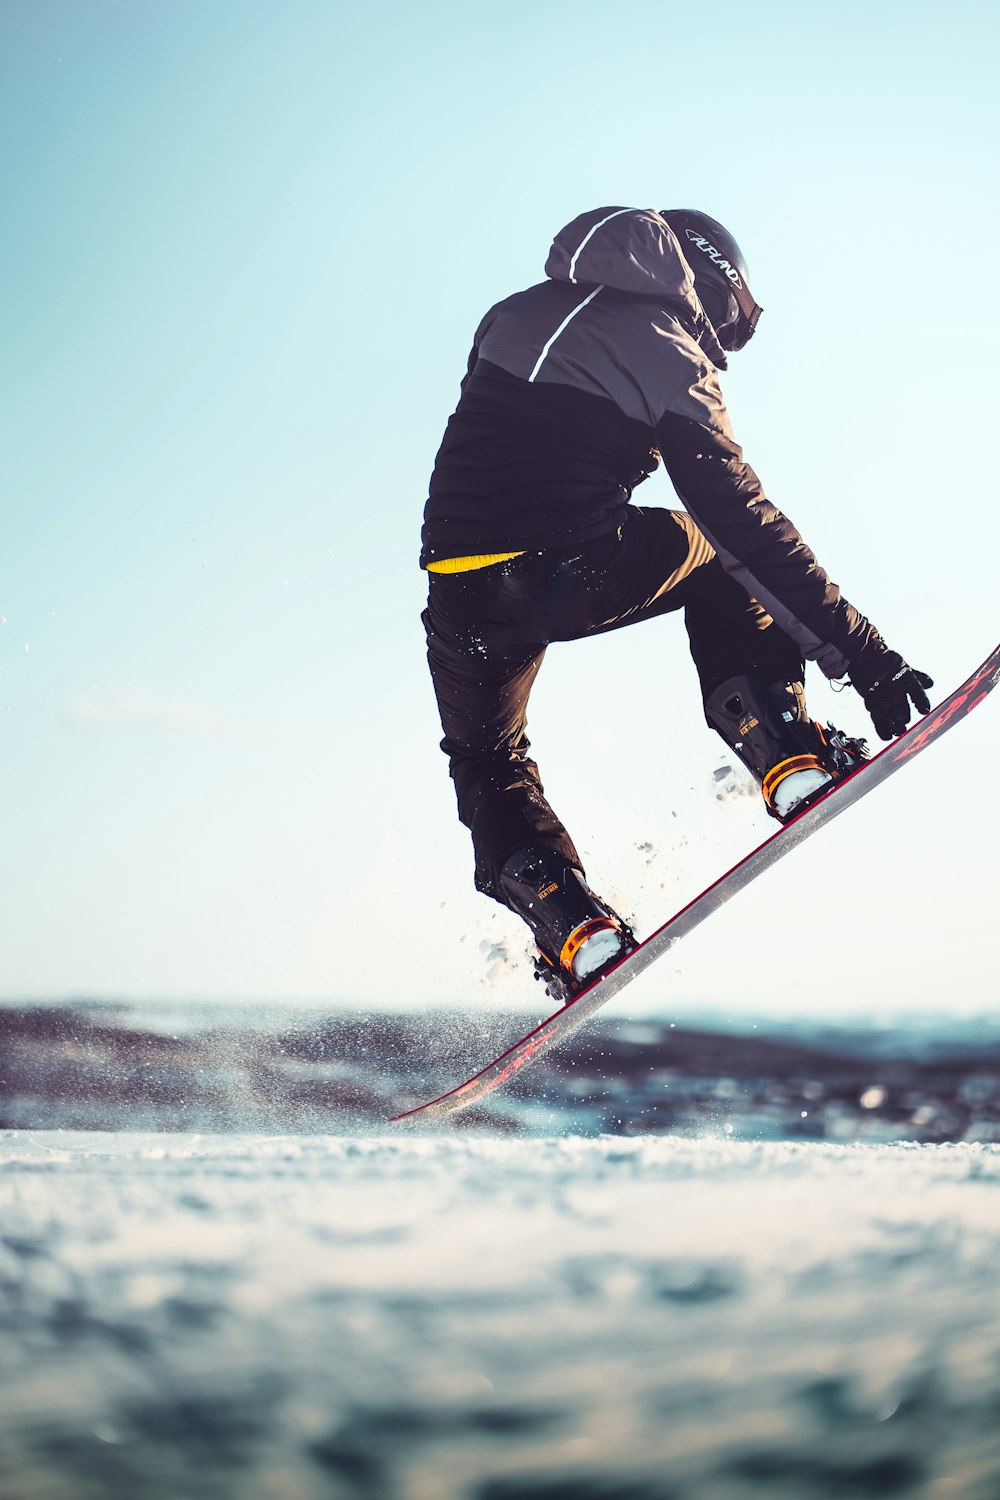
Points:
(758, 545)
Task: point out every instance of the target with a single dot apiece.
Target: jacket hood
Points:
(632, 250)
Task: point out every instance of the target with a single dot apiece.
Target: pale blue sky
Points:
(245, 247)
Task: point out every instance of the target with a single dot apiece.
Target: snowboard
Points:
(842, 796)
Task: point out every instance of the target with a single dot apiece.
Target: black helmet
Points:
(720, 274)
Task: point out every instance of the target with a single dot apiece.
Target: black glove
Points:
(888, 685)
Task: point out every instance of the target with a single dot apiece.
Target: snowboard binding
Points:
(578, 936)
(793, 759)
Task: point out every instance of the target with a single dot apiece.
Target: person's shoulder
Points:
(542, 294)
(691, 387)
(531, 311)
(659, 343)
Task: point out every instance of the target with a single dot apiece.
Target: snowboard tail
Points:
(590, 999)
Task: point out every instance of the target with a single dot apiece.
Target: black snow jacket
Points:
(573, 388)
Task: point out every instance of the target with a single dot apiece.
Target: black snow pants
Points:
(487, 631)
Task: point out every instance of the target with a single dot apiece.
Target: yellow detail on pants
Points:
(469, 564)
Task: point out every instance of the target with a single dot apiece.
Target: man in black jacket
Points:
(576, 389)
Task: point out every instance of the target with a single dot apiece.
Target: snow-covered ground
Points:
(415, 1318)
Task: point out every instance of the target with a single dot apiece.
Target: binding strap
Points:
(784, 768)
(580, 935)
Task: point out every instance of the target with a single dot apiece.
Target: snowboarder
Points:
(576, 389)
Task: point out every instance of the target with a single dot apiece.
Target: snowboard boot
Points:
(576, 933)
(793, 759)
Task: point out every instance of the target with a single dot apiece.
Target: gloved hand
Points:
(888, 685)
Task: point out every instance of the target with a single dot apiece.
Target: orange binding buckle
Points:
(576, 939)
(784, 768)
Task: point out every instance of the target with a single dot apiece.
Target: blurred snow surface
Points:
(304, 1317)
